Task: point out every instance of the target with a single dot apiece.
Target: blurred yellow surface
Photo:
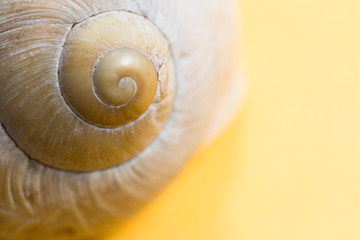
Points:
(289, 167)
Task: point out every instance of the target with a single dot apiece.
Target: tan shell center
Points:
(117, 74)
(115, 91)
(121, 88)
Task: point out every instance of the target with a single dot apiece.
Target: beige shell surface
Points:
(73, 204)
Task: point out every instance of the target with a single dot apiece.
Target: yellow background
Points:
(289, 166)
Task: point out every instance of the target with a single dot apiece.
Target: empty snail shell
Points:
(101, 103)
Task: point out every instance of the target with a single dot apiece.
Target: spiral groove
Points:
(94, 61)
(73, 115)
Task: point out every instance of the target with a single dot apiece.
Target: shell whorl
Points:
(92, 66)
(107, 169)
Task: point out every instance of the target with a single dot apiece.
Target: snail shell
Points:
(101, 103)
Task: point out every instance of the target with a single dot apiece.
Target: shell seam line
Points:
(15, 143)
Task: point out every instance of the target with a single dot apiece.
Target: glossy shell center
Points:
(118, 90)
(117, 73)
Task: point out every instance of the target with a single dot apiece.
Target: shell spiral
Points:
(101, 103)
